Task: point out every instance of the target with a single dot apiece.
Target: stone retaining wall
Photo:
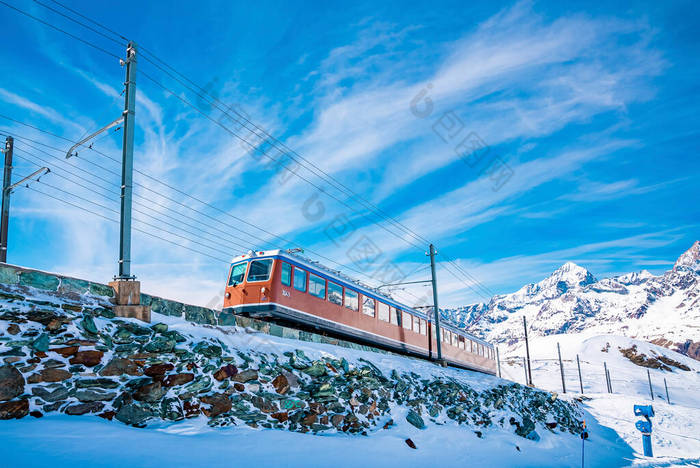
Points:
(59, 285)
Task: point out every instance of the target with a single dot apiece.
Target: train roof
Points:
(365, 289)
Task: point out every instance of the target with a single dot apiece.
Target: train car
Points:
(287, 288)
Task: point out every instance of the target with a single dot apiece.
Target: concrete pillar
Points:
(127, 297)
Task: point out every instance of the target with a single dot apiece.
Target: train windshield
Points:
(260, 270)
(237, 273)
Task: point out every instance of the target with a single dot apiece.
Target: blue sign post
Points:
(647, 411)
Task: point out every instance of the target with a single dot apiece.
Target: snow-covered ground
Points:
(676, 426)
(68, 441)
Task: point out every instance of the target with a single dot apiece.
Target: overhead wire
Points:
(324, 175)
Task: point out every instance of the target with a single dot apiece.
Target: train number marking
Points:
(286, 293)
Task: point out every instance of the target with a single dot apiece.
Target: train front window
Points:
(286, 274)
(260, 270)
(335, 293)
(317, 286)
(351, 300)
(237, 273)
(299, 279)
(368, 306)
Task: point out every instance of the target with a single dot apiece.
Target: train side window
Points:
(368, 306)
(286, 274)
(237, 273)
(383, 311)
(406, 320)
(335, 293)
(461, 342)
(416, 325)
(455, 339)
(394, 315)
(317, 286)
(299, 279)
(351, 301)
(423, 327)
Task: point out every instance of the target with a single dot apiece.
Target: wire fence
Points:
(581, 376)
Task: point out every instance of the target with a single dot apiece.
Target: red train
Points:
(290, 289)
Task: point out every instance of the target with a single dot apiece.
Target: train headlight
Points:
(263, 290)
(227, 295)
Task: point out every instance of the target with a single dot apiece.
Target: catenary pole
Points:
(127, 164)
(651, 392)
(6, 182)
(666, 387)
(498, 361)
(436, 308)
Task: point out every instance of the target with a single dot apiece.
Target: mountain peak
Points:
(572, 274)
(690, 258)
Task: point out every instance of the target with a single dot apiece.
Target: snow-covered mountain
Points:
(662, 309)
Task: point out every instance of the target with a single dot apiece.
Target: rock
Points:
(281, 384)
(54, 325)
(226, 372)
(192, 409)
(171, 409)
(58, 394)
(108, 415)
(11, 383)
(160, 344)
(123, 336)
(178, 379)
(39, 280)
(54, 375)
(317, 369)
(281, 416)
(120, 366)
(82, 408)
(13, 329)
(239, 387)
(525, 428)
(36, 414)
(14, 409)
(159, 327)
(88, 395)
(533, 435)
(65, 351)
(264, 405)
(219, 403)
(99, 383)
(87, 358)
(133, 414)
(207, 349)
(158, 370)
(410, 443)
(309, 419)
(415, 419)
(246, 376)
(150, 393)
(53, 363)
(88, 325)
(41, 343)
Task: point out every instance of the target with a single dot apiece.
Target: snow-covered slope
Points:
(664, 309)
(675, 426)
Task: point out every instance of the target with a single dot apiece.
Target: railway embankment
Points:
(63, 351)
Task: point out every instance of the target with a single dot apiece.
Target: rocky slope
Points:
(69, 354)
(663, 309)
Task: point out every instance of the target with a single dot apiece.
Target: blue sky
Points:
(592, 108)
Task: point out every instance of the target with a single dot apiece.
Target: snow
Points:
(60, 440)
(676, 426)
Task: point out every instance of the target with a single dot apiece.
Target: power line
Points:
(88, 43)
(269, 138)
(133, 227)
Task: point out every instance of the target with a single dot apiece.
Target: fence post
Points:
(561, 369)
(580, 381)
(610, 381)
(498, 360)
(666, 386)
(651, 392)
(607, 384)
